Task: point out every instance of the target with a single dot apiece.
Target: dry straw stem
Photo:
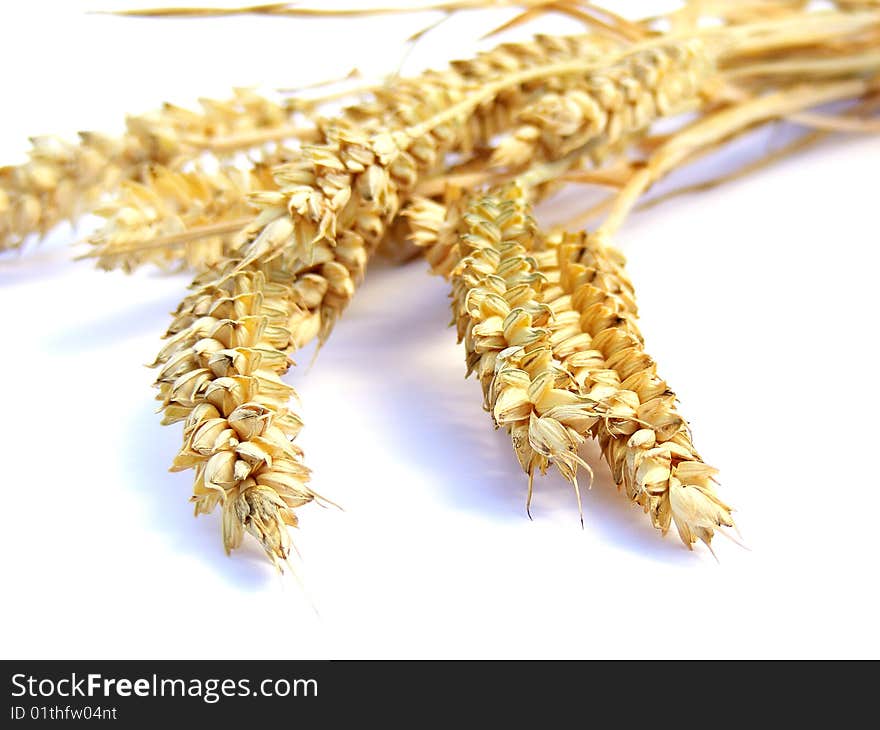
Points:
(841, 123)
(809, 69)
(600, 19)
(294, 10)
(62, 180)
(721, 125)
(505, 327)
(718, 127)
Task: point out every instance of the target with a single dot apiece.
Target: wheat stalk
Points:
(335, 201)
(496, 295)
(193, 216)
(552, 317)
(643, 438)
(548, 322)
(608, 106)
(127, 242)
(220, 373)
(61, 180)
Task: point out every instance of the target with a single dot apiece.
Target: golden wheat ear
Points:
(505, 328)
(177, 219)
(548, 322)
(296, 266)
(606, 108)
(644, 439)
(62, 180)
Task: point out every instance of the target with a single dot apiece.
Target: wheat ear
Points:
(496, 295)
(335, 201)
(333, 204)
(136, 232)
(173, 218)
(62, 180)
(578, 323)
(606, 107)
(220, 373)
(643, 438)
(342, 194)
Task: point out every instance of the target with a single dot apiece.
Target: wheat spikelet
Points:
(609, 105)
(434, 227)
(61, 180)
(434, 224)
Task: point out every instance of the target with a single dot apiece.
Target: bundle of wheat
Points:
(280, 206)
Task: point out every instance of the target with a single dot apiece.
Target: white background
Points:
(759, 300)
